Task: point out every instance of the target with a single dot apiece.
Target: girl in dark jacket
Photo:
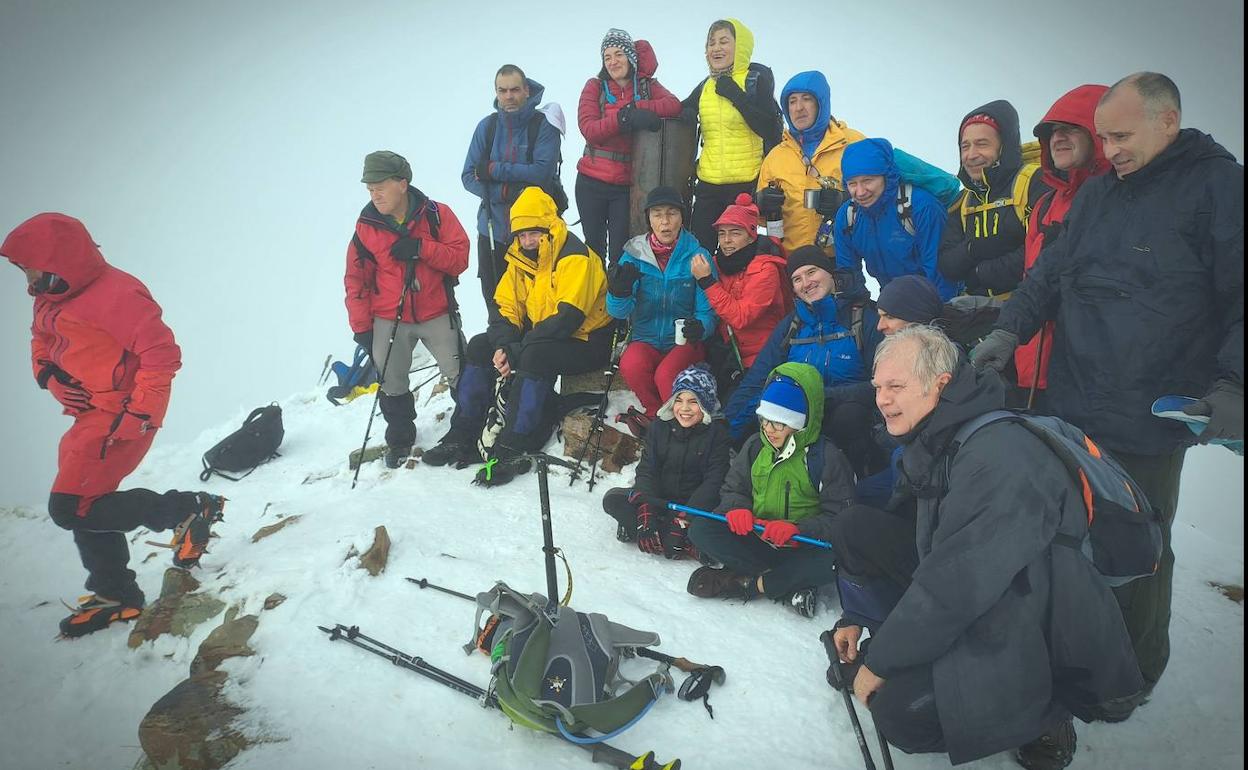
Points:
(623, 98)
(685, 461)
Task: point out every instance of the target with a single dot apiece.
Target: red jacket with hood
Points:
(104, 330)
(754, 300)
(1077, 107)
(374, 279)
(599, 121)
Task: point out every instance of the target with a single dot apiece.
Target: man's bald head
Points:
(1136, 119)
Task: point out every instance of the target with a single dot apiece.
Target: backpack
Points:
(254, 444)
(915, 172)
(553, 186)
(905, 211)
(556, 669)
(361, 374)
(1122, 533)
(1019, 192)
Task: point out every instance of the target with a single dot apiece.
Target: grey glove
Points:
(1224, 406)
(995, 350)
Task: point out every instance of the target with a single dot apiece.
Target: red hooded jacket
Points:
(754, 300)
(599, 122)
(375, 280)
(1076, 107)
(105, 329)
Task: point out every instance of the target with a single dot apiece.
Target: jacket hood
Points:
(745, 46)
(968, 395)
(809, 380)
(872, 157)
(1190, 146)
(522, 115)
(814, 83)
(56, 243)
(1076, 107)
(647, 61)
(535, 209)
(1011, 159)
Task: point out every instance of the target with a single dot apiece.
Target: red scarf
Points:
(661, 252)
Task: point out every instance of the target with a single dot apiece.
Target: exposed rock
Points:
(273, 601)
(374, 559)
(178, 611)
(614, 449)
(192, 726)
(1233, 592)
(228, 640)
(264, 532)
(372, 453)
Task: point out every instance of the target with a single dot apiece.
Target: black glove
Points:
(830, 200)
(983, 249)
(364, 340)
(482, 170)
(995, 350)
(648, 530)
(726, 87)
(620, 281)
(1224, 406)
(957, 262)
(406, 248)
(694, 330)
(634, 118)
(770, 201)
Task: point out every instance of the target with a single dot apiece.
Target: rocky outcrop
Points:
(178, 610)
(375, 558)
(613, 448)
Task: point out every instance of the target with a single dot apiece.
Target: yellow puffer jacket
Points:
(731, 151)
(566, 271)
(784, 164)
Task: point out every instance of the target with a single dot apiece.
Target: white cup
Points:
(680, 331)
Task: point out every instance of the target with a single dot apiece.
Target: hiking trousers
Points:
(440, 337)
(1145, 602)
(604, 211)
(784, 570)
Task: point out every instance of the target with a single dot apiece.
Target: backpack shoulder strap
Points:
(491, 131)
(814, 463)
(787, 340)
(851, 214)
(905, 206)
(1022, 191)
(362, 254)
(433, 217)
(857, 328)
(535, 125)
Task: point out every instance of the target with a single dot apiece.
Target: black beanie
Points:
(808, 255)
(911, 298)
(664, 196)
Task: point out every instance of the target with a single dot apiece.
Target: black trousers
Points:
(784, 570)
(604, 210)
(874, 543)
(904, 710)
(491, 264)
(709, 201)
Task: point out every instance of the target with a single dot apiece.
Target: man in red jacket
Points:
(99, 347)
(402, 266)
(1070, 154)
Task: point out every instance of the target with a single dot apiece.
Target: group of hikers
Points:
(773, 389)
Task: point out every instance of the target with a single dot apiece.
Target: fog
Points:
(214, 149)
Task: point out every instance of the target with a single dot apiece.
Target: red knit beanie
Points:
(742, 213)
(980, 117)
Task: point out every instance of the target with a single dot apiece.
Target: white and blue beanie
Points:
(699, 381)
(783, 401)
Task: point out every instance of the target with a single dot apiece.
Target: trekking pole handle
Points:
(757, 527)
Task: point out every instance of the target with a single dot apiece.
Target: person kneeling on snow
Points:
(684, 461)
(1001, 629)
(551, 320)
(788, 478)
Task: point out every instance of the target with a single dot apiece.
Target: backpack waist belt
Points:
(619, 157)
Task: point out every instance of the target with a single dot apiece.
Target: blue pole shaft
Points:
(757, 527)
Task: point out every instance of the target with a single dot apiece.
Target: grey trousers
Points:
(440, 337)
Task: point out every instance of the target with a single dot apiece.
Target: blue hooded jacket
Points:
(814, 83)
(822, 336)
(879, 238)
(659, 298)
(511, 171)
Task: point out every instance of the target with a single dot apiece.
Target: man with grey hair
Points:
(962, 664)
(1146, 285)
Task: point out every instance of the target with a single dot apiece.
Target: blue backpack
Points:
(361, 373)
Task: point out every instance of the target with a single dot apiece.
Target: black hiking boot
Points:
(1052, 751)
(708, 583)
(449, 451)
(397, 455)
(502, 470)
(805, 602)
(190, 538)
(625, 534)
(96, 612)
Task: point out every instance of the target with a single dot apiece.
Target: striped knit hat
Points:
(623, 41)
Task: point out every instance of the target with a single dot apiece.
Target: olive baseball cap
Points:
(383, 164)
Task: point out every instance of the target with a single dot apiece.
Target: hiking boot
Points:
(635, 420)
(190, 538)
(397, 455)
(500, 471)
(805, 602)
(95, 612)
(708, 583)
(625, 534)
(1052, 751)
(449, 451)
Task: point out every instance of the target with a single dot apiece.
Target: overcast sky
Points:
(214, 149)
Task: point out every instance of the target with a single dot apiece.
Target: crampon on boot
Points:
(805, 602)
(96, 612)
(190, 538)
(710, 583)
(1052, 751)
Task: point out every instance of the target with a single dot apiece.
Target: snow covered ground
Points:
(78, 704)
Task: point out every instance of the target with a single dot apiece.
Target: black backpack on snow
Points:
(251, 445)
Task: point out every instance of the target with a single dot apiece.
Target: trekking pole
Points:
(408, 271)
(423, 583)
(1035, 378)
(325, 370)
(548, 537)
(757, 527)
(597, 426)
(837, 674)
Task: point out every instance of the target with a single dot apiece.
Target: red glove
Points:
(131, 426)
(647, 530)
(740, 521)
(779, 531)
